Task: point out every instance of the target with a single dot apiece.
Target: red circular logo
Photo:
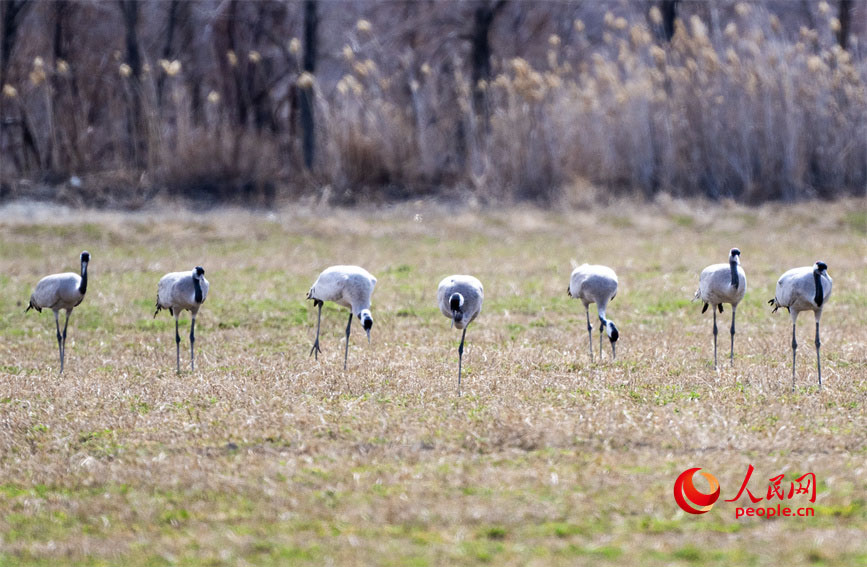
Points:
(686, 494)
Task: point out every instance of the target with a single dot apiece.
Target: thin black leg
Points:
(346, 352)
(715, 332)
(59, 341)
(794, 348)
(178, 344)
(316, 350)
(590, 332)
(732, 358)
(63, 350)
(818, 359)
(461, 358)
(601, 330)
(192, 342)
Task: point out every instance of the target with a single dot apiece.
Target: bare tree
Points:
(12, 12)
(844, 14)
(480, 58)
(136, 124)
(311, 24)
(668, 8)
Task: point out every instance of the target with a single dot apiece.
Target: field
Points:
(264, 456)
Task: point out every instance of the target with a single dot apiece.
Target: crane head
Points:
(821, 266)
(85, 257)
(612, 332)
(198, 272)
(613, 335)
(366, 322)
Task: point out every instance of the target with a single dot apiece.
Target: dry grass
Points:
(753, 101)
(264, 456)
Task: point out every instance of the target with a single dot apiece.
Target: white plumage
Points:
(723, 283)
(183, 291)
(460, 299)
(804, 289)
(349, 286)
(61, 291)
(596, 284)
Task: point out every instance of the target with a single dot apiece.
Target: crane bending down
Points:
(349, 286)
(596, 284)
(460, 299)
(183, 291)
(723, 283)
(804, 289)
(61, 291)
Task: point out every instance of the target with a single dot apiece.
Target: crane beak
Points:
(613, 351)
(368, 335)
(454, 317)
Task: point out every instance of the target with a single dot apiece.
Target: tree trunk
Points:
(311, 23)
(480, 57)
(13, 12)
(171, 23)
(136, 124)
(844, 14)
(669, 15)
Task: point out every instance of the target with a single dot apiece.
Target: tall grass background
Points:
(747, 101)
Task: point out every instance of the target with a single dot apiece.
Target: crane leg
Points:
(65, 326)
(346, 352)
(193, 342)
(732, 358)
(601, 331)
(461, 358)
(316, 350)
(59, 341)
(178, 343)
(715, 333)
(589, 332)
(818, 359)
(794, 348)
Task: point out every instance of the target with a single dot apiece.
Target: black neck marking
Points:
(82, 287)
(735, 278)
(820, 293)
(198, 288)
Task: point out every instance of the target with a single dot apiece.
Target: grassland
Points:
(264, 456)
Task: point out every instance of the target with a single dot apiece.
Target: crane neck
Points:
(82, 286)
(197, 286)
(820, 292)
(735, 278)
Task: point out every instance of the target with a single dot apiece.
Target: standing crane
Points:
(61, 291)
(183, 291)
(804, 289)
(723, 283)
(349, 286)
